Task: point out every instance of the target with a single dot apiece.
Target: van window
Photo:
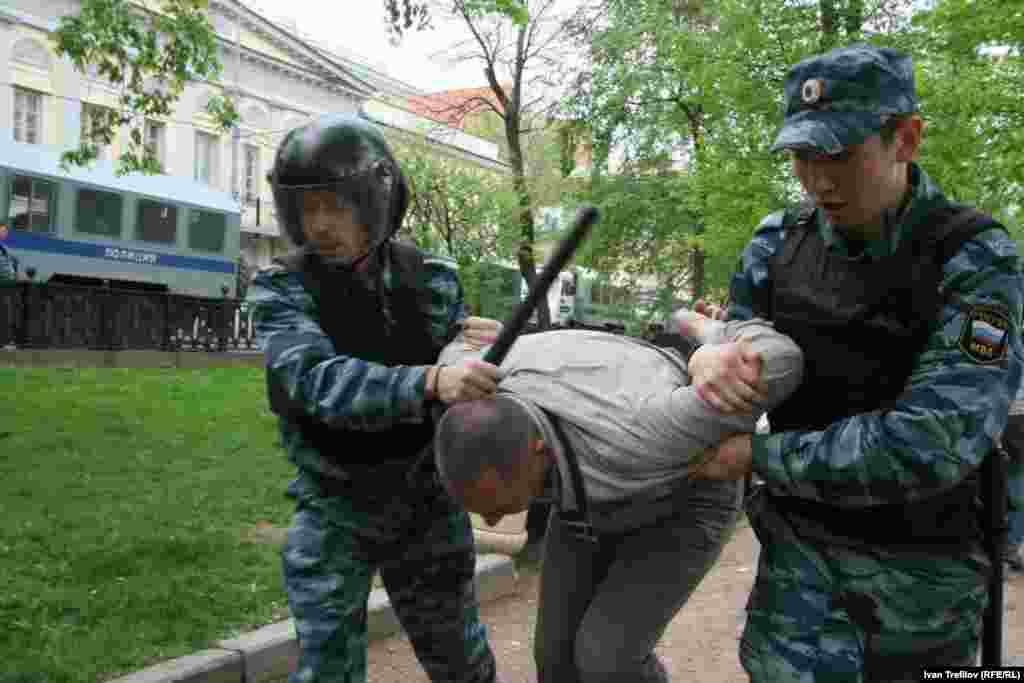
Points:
(157, 222)
(98, 213)
(206, 231)
(32, 204)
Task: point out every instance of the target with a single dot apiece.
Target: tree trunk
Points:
(525, 255)
(696, 118)
(697, 272)
(854, 19)
(513, 126)
(828, 25)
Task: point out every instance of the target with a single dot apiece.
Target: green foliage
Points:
(458, 210)
(648, 224)
(701, 83)
(544, 147)
(974, 137)
(516, 10)
(518, 43)
(409, 15)
(692, 96)
(150, 57)
(492, 290)
(960, 27)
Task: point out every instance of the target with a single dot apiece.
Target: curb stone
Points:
(207, 666)
(269, 653)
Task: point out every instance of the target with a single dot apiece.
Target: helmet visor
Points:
(343, 220)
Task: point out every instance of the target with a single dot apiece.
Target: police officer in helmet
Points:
(351, 324)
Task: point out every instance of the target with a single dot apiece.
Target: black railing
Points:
(57, 316)
(53, 316)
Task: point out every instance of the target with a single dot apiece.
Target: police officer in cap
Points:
(907, 307)
(351, 324)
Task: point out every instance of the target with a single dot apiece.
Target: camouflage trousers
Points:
(824, 612)
(421, 543)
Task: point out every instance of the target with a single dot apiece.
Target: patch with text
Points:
(986, 334)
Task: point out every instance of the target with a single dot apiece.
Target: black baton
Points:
(585, 219)
(993, 496)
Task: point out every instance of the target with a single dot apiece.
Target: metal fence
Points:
(53, 316)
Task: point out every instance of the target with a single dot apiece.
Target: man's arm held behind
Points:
(687, 425)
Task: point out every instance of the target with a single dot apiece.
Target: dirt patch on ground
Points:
(700, 643)
(266, 533)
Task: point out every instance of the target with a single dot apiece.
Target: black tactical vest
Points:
(861, 325)
(352, 316)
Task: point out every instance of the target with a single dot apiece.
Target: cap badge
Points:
(811, 91)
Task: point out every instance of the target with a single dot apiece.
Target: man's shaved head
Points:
(478, 435)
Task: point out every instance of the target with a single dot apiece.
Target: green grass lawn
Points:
(127, 501)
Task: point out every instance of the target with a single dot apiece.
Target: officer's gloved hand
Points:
(480, 332)
(470, 380)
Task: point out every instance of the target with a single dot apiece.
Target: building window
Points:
(155, 134)
(93, 114)
(98, 213)
(28, 116)
(32, 203)
(206, 231)
(157, 222)
(206, 158)
(251, 190)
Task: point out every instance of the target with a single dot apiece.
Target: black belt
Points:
(948, 521)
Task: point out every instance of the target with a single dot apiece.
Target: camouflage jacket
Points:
(342, 391)
(952, 409)
(8, 266)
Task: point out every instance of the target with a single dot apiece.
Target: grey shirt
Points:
(626, 406)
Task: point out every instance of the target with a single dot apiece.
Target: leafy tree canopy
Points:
(410, 15)
(150, 54)
(691, 90)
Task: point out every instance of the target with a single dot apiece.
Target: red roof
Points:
(451, 107)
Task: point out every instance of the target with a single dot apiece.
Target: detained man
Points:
(608, 428)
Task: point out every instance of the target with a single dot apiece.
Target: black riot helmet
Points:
(346, 154)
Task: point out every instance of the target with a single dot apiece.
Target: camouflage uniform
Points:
(362, 506)
(420, 541)
(825, 606)
(1013, 442)
(8, 266)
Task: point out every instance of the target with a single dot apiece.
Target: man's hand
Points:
(691, 324)
(713, 311)
(728, 376)
(468, 381)
(480, 332)
(731, 460)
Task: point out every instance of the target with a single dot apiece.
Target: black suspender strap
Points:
(578, 520)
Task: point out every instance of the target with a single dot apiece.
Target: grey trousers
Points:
(605, 605)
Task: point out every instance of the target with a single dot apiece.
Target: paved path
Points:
(700, 643)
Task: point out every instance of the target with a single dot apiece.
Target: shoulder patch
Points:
(985, 335)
